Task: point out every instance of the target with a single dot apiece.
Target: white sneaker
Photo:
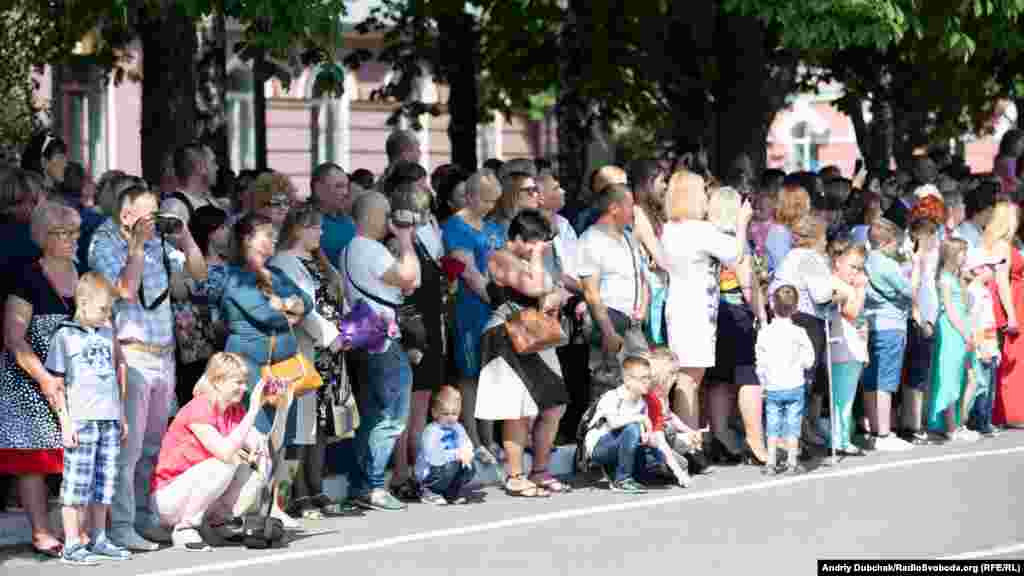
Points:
(965, 436)
(892, 443)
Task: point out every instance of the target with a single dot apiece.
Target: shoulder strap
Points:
(180, 196)
(373, 298)
(636, 272)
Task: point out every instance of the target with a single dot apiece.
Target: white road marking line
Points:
(987, 553)
(575, 513)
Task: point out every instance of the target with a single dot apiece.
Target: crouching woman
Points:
(205, 457)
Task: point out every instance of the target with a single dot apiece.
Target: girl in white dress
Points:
(694, 248)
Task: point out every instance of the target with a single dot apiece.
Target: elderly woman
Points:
(806, 267)
(520, 389)
(271, 195)
(260, 307)
(205, 456)
(694, 250)
(740, 305)
(300, 259)
(42, 298)
(792, 204)
(470, 239)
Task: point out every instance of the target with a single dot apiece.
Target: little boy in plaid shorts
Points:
(84, 356)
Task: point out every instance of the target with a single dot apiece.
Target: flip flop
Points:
(526, 490)
(51, 552)
(548, 482)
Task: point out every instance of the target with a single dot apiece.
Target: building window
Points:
(84, 122)
(241, 121)
(323, 125)
(804, 150)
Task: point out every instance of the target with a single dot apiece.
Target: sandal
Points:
(545, 480)
(523, 488)
(50, 552)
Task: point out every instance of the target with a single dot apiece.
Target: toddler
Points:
(85, 358)
(444, 464)
(985, 360)
(783, 354)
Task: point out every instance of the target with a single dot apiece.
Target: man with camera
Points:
(136, 251)
(373, 275)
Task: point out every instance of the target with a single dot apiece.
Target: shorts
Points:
(90, 469)
(919, 358)
(885, 350)
(784, 411)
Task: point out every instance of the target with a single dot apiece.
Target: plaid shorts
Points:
(90, 469)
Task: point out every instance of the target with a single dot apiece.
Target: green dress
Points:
(949, 356)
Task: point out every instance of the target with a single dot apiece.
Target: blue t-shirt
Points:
(84, 357)
(471, 313)
(336, 233)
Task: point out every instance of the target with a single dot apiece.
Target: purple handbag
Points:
(363, 328)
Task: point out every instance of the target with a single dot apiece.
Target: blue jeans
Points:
(621, 449)
(985, 376)
(387, 385)
(449, 479)
(783, 411)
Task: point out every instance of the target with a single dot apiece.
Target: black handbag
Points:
(260, 532)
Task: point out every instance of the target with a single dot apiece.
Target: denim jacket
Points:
(888, 297)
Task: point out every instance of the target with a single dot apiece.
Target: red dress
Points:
(1009, 401)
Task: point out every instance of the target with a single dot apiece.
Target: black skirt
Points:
(734, 347)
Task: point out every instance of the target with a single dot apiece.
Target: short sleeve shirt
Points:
(616, 262)
(181, 448)
(108, 255)
(363, 262)
(84, 356)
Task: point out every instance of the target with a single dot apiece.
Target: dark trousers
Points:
(448, 480)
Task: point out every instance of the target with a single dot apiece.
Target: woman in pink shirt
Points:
(199, 475)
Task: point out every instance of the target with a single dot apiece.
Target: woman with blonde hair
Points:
(694, 249)
(792, 204)
(199, 479)
(1009, 300)
(733, 376)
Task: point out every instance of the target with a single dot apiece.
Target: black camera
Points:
(168, 224)
(406, 218)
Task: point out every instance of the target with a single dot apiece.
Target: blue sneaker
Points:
(79, 555)
(108, 550)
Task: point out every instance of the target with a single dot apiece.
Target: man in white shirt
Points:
(610, 270)
(195, 167)
(373, 275)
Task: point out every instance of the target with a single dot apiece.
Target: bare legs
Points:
(513, 435)
(751, 405)
(33, 494)
(720, 407)
(686, 396)
(878, 408)
(913, 408)
(544, 431)
(481, 432)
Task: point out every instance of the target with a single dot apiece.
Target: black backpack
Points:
(583, 464)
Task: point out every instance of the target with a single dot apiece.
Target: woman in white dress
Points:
(694, 248)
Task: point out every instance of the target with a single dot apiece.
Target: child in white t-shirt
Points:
(619, 433)
(783, 354)
(982, 320)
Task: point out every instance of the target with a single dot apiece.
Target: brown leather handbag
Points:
(297, 372)
(531, 330)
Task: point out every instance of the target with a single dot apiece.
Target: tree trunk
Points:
(459, 51)
(168, 86)
(211, 104)
(746, 95)
(574, 123)
(259, 110)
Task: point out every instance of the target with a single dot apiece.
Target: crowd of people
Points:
(745, 320)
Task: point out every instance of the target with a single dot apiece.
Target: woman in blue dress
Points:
(470, 239)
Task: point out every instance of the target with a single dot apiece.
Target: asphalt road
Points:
(930, 502)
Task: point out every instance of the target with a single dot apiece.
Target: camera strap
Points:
(167, 268)
(393, 305)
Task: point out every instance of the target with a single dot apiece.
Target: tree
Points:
(298, 32)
